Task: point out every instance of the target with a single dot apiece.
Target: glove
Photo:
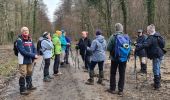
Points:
(77, 47)
(88, 48)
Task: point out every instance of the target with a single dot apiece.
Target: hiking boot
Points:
(46, 79)
(111, 91)
(90, 82)
(101, 76)
(50, 77)
(120, 93)
(31, 88)
(62, 63)
(57, 74)
(24, 92)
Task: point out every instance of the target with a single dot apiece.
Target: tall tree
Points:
(151, 11)
(124, 10)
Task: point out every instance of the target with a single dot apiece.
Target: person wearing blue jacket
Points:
(63, 46)
(67, 49)
(26, 56)
(47, 47)
(98, 49)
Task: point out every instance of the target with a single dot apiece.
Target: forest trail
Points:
(71, 85)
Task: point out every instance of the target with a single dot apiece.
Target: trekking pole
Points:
(42, 64)
(72, 57)
(78, 59)
(34, 64)
(135, 71)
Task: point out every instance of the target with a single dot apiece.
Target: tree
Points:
(124, 10)
(151, 11)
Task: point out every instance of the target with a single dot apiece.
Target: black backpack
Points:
(161, 43)
(15, 49)
(39, 47)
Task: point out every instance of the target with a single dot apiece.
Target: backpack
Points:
(15, 49)
(161, 43)
(39, 47)
(122, 47)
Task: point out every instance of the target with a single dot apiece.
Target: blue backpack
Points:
(122, 47)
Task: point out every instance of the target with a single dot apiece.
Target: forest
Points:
(75, 16)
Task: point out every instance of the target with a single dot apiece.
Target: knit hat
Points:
(98, 32)
(58, 33)
(140, 31)
(45, 34)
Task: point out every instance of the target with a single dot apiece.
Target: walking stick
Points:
(78, 65)
(72, 57)
(42, 64)
(34, 64)
(135, 71)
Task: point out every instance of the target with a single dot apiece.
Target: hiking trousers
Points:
(56, 64)
(86, 60)
(46, 67)
(122, 67)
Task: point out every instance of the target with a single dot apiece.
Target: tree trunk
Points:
(151, 11)
(34, 16)
(124, 10)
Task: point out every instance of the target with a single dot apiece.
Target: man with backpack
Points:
(82, 45)
(119, 47)
(46, 47)
(56, 52)
(26, 56)
(154, 46)
(98, 48)
(142, 53)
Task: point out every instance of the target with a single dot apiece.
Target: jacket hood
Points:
(100, 38)
(157, 34)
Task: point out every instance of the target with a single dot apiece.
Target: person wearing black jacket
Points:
(154, 48)
(141, 53)
(82, 45)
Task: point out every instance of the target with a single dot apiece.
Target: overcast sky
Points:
(52, 5)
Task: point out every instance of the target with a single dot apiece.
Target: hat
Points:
(45, 34)
(140, 31)
(98, 32)
(58, 33)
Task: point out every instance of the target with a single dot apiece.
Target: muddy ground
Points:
(71, 85)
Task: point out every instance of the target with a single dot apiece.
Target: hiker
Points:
(47, 46)
(57, 51)
(154, 45)
(26, 56)
(141, 53)
(67, 49)
(82, 45)
(119, 48)
(63, 46)
(97, 48)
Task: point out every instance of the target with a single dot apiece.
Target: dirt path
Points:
(71, 85)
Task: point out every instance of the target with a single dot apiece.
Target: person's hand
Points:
(88, 48)
(68, 44)
(36, 56)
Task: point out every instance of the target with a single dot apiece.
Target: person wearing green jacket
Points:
(56, 52)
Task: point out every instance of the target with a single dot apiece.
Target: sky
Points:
(52, 5)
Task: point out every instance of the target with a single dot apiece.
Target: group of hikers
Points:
(148, 45)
